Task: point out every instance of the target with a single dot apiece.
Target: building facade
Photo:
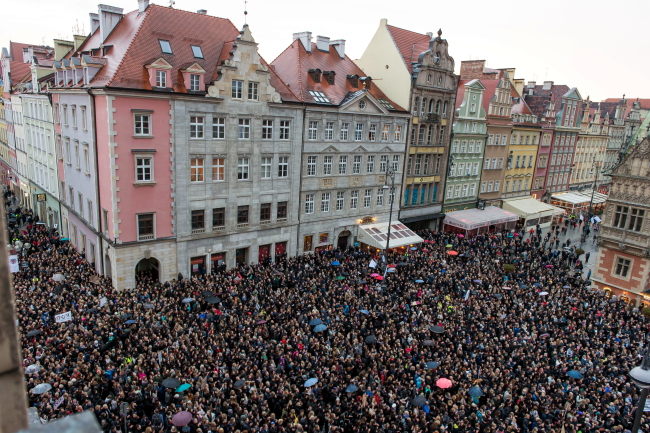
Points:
(623, 264)
(590, 150)
(417, 72)
(353, 135)
(614, 115)
(467, 148)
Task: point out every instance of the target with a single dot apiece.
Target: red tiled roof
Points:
(293, 64)
(18, 71)
(645, 103)
(16, 51)
(410, 44)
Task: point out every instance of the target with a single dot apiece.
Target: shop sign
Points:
(40, 197)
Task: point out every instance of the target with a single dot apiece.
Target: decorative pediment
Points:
(362, 101)
(386, 149)
(159, 63)
(194, 68)
(360, 149)
(330, 149)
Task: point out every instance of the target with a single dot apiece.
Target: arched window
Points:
(438, 106)
(423, 108)
(416, 105)
(444, 109)
(431, 106)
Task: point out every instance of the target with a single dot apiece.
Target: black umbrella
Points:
(91, 310)
(126, 316)
(33, 333)
(418, 401)
(207, 293)
(352, 388)
(212, 300)
(314, 322)
(428, 342)
(108, 345)
(346, 274)
(437, 329)
(432, 364)
(171, 382)
(400, 264)
(498, 295)
(371, 339)
(239, 384)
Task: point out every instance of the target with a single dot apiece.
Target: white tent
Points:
(376, 234)
(471, 219)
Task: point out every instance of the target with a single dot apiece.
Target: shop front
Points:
(197, 266)
(280, 250)
(217, 262)
(571, 202)
(474, 221)
(46, 207)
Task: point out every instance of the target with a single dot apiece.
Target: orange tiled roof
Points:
(410, 44)
(294, 63)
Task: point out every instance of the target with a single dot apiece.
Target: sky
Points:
(600, 47)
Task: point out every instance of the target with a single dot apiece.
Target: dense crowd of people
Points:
(245, 346)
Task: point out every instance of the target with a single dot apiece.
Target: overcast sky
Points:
(600, 47)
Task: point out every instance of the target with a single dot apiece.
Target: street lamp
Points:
(390, 174)
(641, 378)
(593, 190)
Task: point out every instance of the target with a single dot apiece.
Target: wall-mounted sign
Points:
(40, 197)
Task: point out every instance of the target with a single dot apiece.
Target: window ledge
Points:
(139, 184)
(142, 136)
(87, 173)
(146, 238)
(242, 225)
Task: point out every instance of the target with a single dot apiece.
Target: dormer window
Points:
(165, 46)
(194, 82)
(354, 80)
(315, 75)
(196, 50)
(367, 81)
(329, 76)
(161, 78)
(193, 78)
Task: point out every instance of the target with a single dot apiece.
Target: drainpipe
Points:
(302, 151)
(99, 200)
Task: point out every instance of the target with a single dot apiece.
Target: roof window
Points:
(315, 75)
(196, 50)
(386, 104)
(329, 76)
(354, 80)
(319, 97)
(165, 46)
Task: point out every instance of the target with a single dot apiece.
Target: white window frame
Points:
(358, 132)
(161, 78)
(142, 125)
(237, 90)
(313, 130)
(340, 200)
(244, 129)
(370, 164)
(327, 165)
(195, 82)
(354, 199)
(253, 91)
(267, 129)
(343, 164)
(218, 169)
(243, 168)
(309, 203)
(283, 166)
(197, 129)
(219, 127)
(345, 132)
(325, 202)
(329, 131)
(197, 163)
(267, 165)
(367, 198)
(356, 164)
(311, 166)
(285, 129)
(380, 196)
(150, 166)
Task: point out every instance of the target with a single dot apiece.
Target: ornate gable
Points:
(159, 63)
(636, 163)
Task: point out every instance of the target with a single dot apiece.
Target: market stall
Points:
(472, 221)
(531, 211)
(375, 236)
(570, 201)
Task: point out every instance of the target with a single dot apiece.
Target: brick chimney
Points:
(142, 5)
(202, 12)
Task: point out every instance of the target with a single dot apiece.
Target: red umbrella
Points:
(182, 418)
(379, 278)
(461, 235)
(443, 383)
(261, 322)
(452, 253)
(424, 250)
(374, 275)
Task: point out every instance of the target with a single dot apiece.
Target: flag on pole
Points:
(467, 295)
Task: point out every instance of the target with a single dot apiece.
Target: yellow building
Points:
(590, 149)
(522, 151)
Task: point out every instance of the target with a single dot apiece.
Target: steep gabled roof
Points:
(645, 103)
(293, 66)
(410, 44)
(16, 51)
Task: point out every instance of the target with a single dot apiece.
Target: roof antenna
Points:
(245, 11)
(172, 3)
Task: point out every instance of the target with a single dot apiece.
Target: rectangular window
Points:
(340, 197)
(84, 122)
(356, 164)
(329, 131)
(385, 132)
(370, 164)
(517, 162)
(472, 190)
(218, 169)
(490, 186)
(161, 78)
(486, 164)
(380, 196)
(309, 203)
(81, 204)
(198, 220)
(313, 130)
(397, 135)
(622, 267)
(145, 226)
(244, 129)
(452, 170)
(470, 147)
(343, 164)
(441, 136)
(265, 212)
(267, 161)
(325, 202)
(418, 165)
(367, 198)
(450, 191)
(421, 133)
(327, 165)
(475, 169)
(237, 89)
(242, 168)
(636, 219)
(142, 124)
(507, 186)
(473, 126)
(395, 163)
(196, 127)
(284, 129)
(354, 199)
(383, 163)
(345, 127)
(196, 170)
(143, 169)
(194, 82)
(282, 210)
(283, 166)
(457, 192)
(497, 185)
(165, 46)
(497, 138)
(90, 211)
(219, 128)
(76, 154)
(267, 130)
(500, 166)
(253, 94)
(242, 214)
(483, 186)
(620, 216)
(372, 132)
(307, 243)
(311, 166)
(425, 168)
(219, 217)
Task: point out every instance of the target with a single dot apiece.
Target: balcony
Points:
(242, 225)
(429, 118)
(198, 231)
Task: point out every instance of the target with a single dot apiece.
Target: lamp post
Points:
(390, 174)
(641, 378)
(593, 190)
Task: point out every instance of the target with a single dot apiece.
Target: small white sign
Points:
(58, 402)
(64, 317)
(13, 264)
(373, 263)
(102, 302)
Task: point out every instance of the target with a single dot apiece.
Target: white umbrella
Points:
(187, 300)
(42, 388)
(31, 369)
(58, 277)
(543, 293)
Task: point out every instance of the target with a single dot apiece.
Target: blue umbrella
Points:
(183, 387)
(311, 382)
(364, 311)
(537, 285)
(443, 271)
(352, 388)
(566, 287)
(574, 374)
(523, 286)
(419, 281)
(314, 322)
(320, 328)
(432, 364)
(477, 281)
(391, 270)
(129, 322)
(335, 263)
(413, 248)
(475, 391)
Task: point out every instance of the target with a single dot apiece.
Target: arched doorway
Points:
(108, 269)
(343, 239)
(148, 268)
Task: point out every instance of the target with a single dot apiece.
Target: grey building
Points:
(352, 134)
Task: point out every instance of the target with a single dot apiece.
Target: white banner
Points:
(647, 405)
(596, 220)
(63, 317)
(13, 264)
(102, 302)
(467, 295)
(58, 402)
(373, 263)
